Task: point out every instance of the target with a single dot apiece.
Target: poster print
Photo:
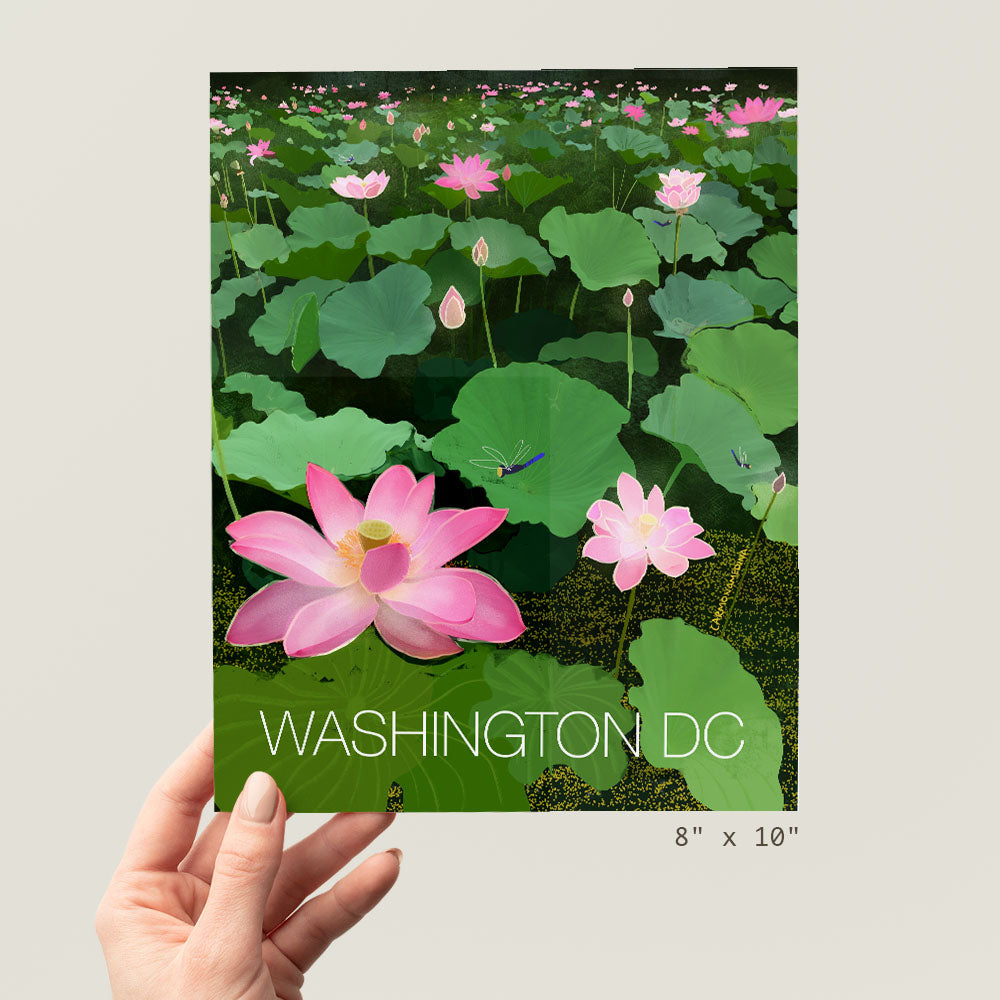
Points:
(504, 439)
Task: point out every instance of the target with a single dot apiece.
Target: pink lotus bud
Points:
(362, 124)
(248, 126)
(627, 298)
(506, 172)
(417, 134)
(452, 309)
(223, 201)
(480, 252)
(390, 118)
(779, 484)
(451, 126)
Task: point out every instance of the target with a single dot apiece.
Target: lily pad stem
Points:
(486, 321)
(222, 466)
(677, 236)
(743, 570)
(572, 304)
(628, 616)
(371, 267)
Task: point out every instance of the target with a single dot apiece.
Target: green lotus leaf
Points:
(220, 243)
(524, 683)
(527, 185)
(224, 300)
(696, 239)
(733, 165)
(323, 180)
(685, 305)
(790, 314)
(410, 156)
(304, 326)
(447, 268)
(336, 223)
(411, 240)
(607, 347)
(293, 197)
(366, 674)
(362, 152)
(298, 161)
(782, 524)
(776, 257)
(605, 249)
(273, 331)
(540, 144)
(766, 295)
(730, 220)
(793, 217)
(300, 121)
(275, 452)
(448, 197)
(363, 324)
(712, 424)
(685, 671)
(756, 363)
(574, 423)
(634, 144)
(512, 251)
(260, 244)
(267, 395)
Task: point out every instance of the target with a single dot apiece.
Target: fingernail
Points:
(260, 798)
(397, 852)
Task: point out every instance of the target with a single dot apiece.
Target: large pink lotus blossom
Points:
(681, 189)
(634, 111)
(470, 175)
(258, 149)
(381, 562)
(355, 187)
(756, 110)
(587, 92)
(640, 532)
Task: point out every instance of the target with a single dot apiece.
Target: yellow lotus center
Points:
(647, 522)
(374, 533)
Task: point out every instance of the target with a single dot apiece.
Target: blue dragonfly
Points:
(497, 462)
(741, 458)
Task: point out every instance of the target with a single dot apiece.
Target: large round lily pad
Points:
(605, 249)
(411, 240)
(685, 305)
(512, 251)
(574, 423)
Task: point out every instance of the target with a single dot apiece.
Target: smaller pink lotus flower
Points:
(248, 127)
(677, 122)
(354, 105)
(214, 124)
(505, 173)
(756, 110)
(354, 187)
(480, 252)
(451, 126)
(587, 92)
(627, 298)
(315, 109)
(764, 86)
(737, 132)
(347, 118)
(227, 131)
(487, 127)
(383, 95)
(715, 117)
(586, 123)
(634, 111)
(641, 531)
(788, 113)
(681, 189)
(572, 104)
(779, 484)
(259, 149)
(690, 130)
(284, 105)
(730, 86)
(451, 312)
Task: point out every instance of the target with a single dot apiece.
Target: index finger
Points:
(168, 821)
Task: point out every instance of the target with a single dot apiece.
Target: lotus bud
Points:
(362, 124)
(223, 201)
(480, 252)
(627, 298)
(779, 484)
(294, 104)
(390, 118)
(417, 134)
(506, 172)
(451, 126)
(452, 309)
(248, 127)
(216, 176)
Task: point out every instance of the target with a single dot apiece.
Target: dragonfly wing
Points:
(495, 455)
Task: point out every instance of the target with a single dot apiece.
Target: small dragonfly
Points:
(667, 223)
(503, 468)
(346, 159)
(741, 458)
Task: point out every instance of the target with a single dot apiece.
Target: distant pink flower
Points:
(418, 134)
(390, 118)
(681, 189)
(586, 123)
(505, 173)
(357, 104)
(383, 95)
(738, 132)
(354, 187)
(451, 312)
(451, 126)
(487, 127)
(223, 201)
(347, 118)
(227, 131)
(380, 563)
(587, 92)
(628, 298)
(214, 124)
(715, 117)
(640, 532)
(540, 101)
(763, 86)
(690, 130)
(363, 124)
(259, 149)
(634, 111)
(572, 104)
(316, 109)
(756, 110)
(469, 175)
(788, 113)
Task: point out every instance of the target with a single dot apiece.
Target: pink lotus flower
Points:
(640, 532)
(634, 111)
(586, 123)
(690, 130)
(738, 132)
(451, 312)
(215, 124)
(677, 122)
(347, 118)
(572, 104)
(469, 175)
(383, 95)
(451, 126)
(227, 131)
(316, 109)
(715, 117)
(788, 113)
(258, 149)
(764, 86)
(587, 92)
(354, 187)
(730, 86)
(380, 562)
(487, 127)
(756, 110)
(681, 189)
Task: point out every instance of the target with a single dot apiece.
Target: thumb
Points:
(245, 869)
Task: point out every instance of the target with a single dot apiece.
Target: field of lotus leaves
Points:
(504, 418)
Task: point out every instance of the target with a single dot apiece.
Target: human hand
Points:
(219, 918)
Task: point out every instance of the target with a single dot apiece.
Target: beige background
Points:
(889, 887)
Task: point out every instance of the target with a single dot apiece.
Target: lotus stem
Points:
(263, 294)
(222, 352)
(246, 198)
(673, 476)
(625, 199)
(229, 236)
(628, 358)
(222, 466)
(572, 304)
(517, 302)
(371, 267)
(677, 235)
(663, 114)
(268, 200)
(628, 616)
(486, 321)
(743, 570)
